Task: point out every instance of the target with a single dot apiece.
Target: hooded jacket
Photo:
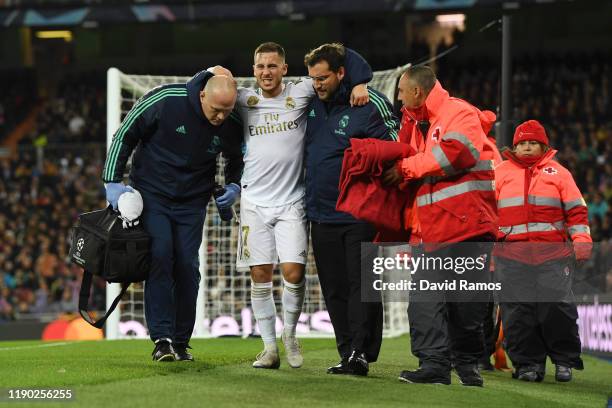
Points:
(175, 145)
(454, 168)
(538, 203)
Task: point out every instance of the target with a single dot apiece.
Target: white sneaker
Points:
(267, 359)
(292, 349)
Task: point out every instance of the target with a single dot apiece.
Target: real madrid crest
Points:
(344, 121)
(252, 101)
(289, 103)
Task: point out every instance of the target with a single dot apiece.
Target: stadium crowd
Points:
(38, 206)
(41, 196)
(75, 115)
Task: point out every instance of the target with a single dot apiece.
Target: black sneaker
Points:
(340, 368)
(563, 373)
(469, 375)
(163, 351)
(358, 363)
(181, 353)
(426, 375)
(529, 373)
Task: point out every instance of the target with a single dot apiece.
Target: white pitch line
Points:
(65, 343)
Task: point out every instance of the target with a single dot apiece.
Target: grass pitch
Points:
(121, 374)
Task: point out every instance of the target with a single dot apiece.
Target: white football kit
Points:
(272, 217)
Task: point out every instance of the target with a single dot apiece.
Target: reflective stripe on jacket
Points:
(454, 165)
(540, 203)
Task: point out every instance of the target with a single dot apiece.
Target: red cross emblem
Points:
(550, 171)
(435, 136)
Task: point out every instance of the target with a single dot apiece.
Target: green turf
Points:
(120, 374)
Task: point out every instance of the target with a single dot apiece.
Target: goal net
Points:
(223, 307)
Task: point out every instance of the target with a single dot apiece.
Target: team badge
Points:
(551, 171)
(289, 103)
(252, 101)
(343, 123)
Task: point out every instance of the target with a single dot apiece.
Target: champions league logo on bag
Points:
(79, 248)
(80, 244)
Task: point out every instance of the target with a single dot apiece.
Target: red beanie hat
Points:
(530, 130)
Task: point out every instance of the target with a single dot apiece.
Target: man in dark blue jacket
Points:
(337, 236)
(177, 131)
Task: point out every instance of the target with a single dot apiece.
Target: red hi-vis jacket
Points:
(540, 203)
(454, 165)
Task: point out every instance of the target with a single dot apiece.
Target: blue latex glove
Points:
(232, 191)
(114, 191)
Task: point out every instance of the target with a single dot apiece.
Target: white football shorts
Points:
(272, 235)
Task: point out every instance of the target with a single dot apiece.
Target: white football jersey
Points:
(274, 130)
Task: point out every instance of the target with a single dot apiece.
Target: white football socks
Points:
(264, 310)
(293, 300)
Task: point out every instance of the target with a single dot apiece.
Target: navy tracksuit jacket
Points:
(173, 167)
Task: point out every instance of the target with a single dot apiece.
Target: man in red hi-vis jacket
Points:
(455, 203)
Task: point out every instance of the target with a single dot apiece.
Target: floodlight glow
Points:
(451, 19)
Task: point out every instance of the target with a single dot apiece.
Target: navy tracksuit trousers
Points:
(171, 290)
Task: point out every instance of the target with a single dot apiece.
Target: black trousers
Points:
(337, 250)
(447, 328)
(489, 330)
(538, 313)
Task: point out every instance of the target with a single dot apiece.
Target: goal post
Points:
(113, 121)
(223, 295)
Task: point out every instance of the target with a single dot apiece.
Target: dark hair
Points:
(332, 53)
(423, 76)
(270, 47)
